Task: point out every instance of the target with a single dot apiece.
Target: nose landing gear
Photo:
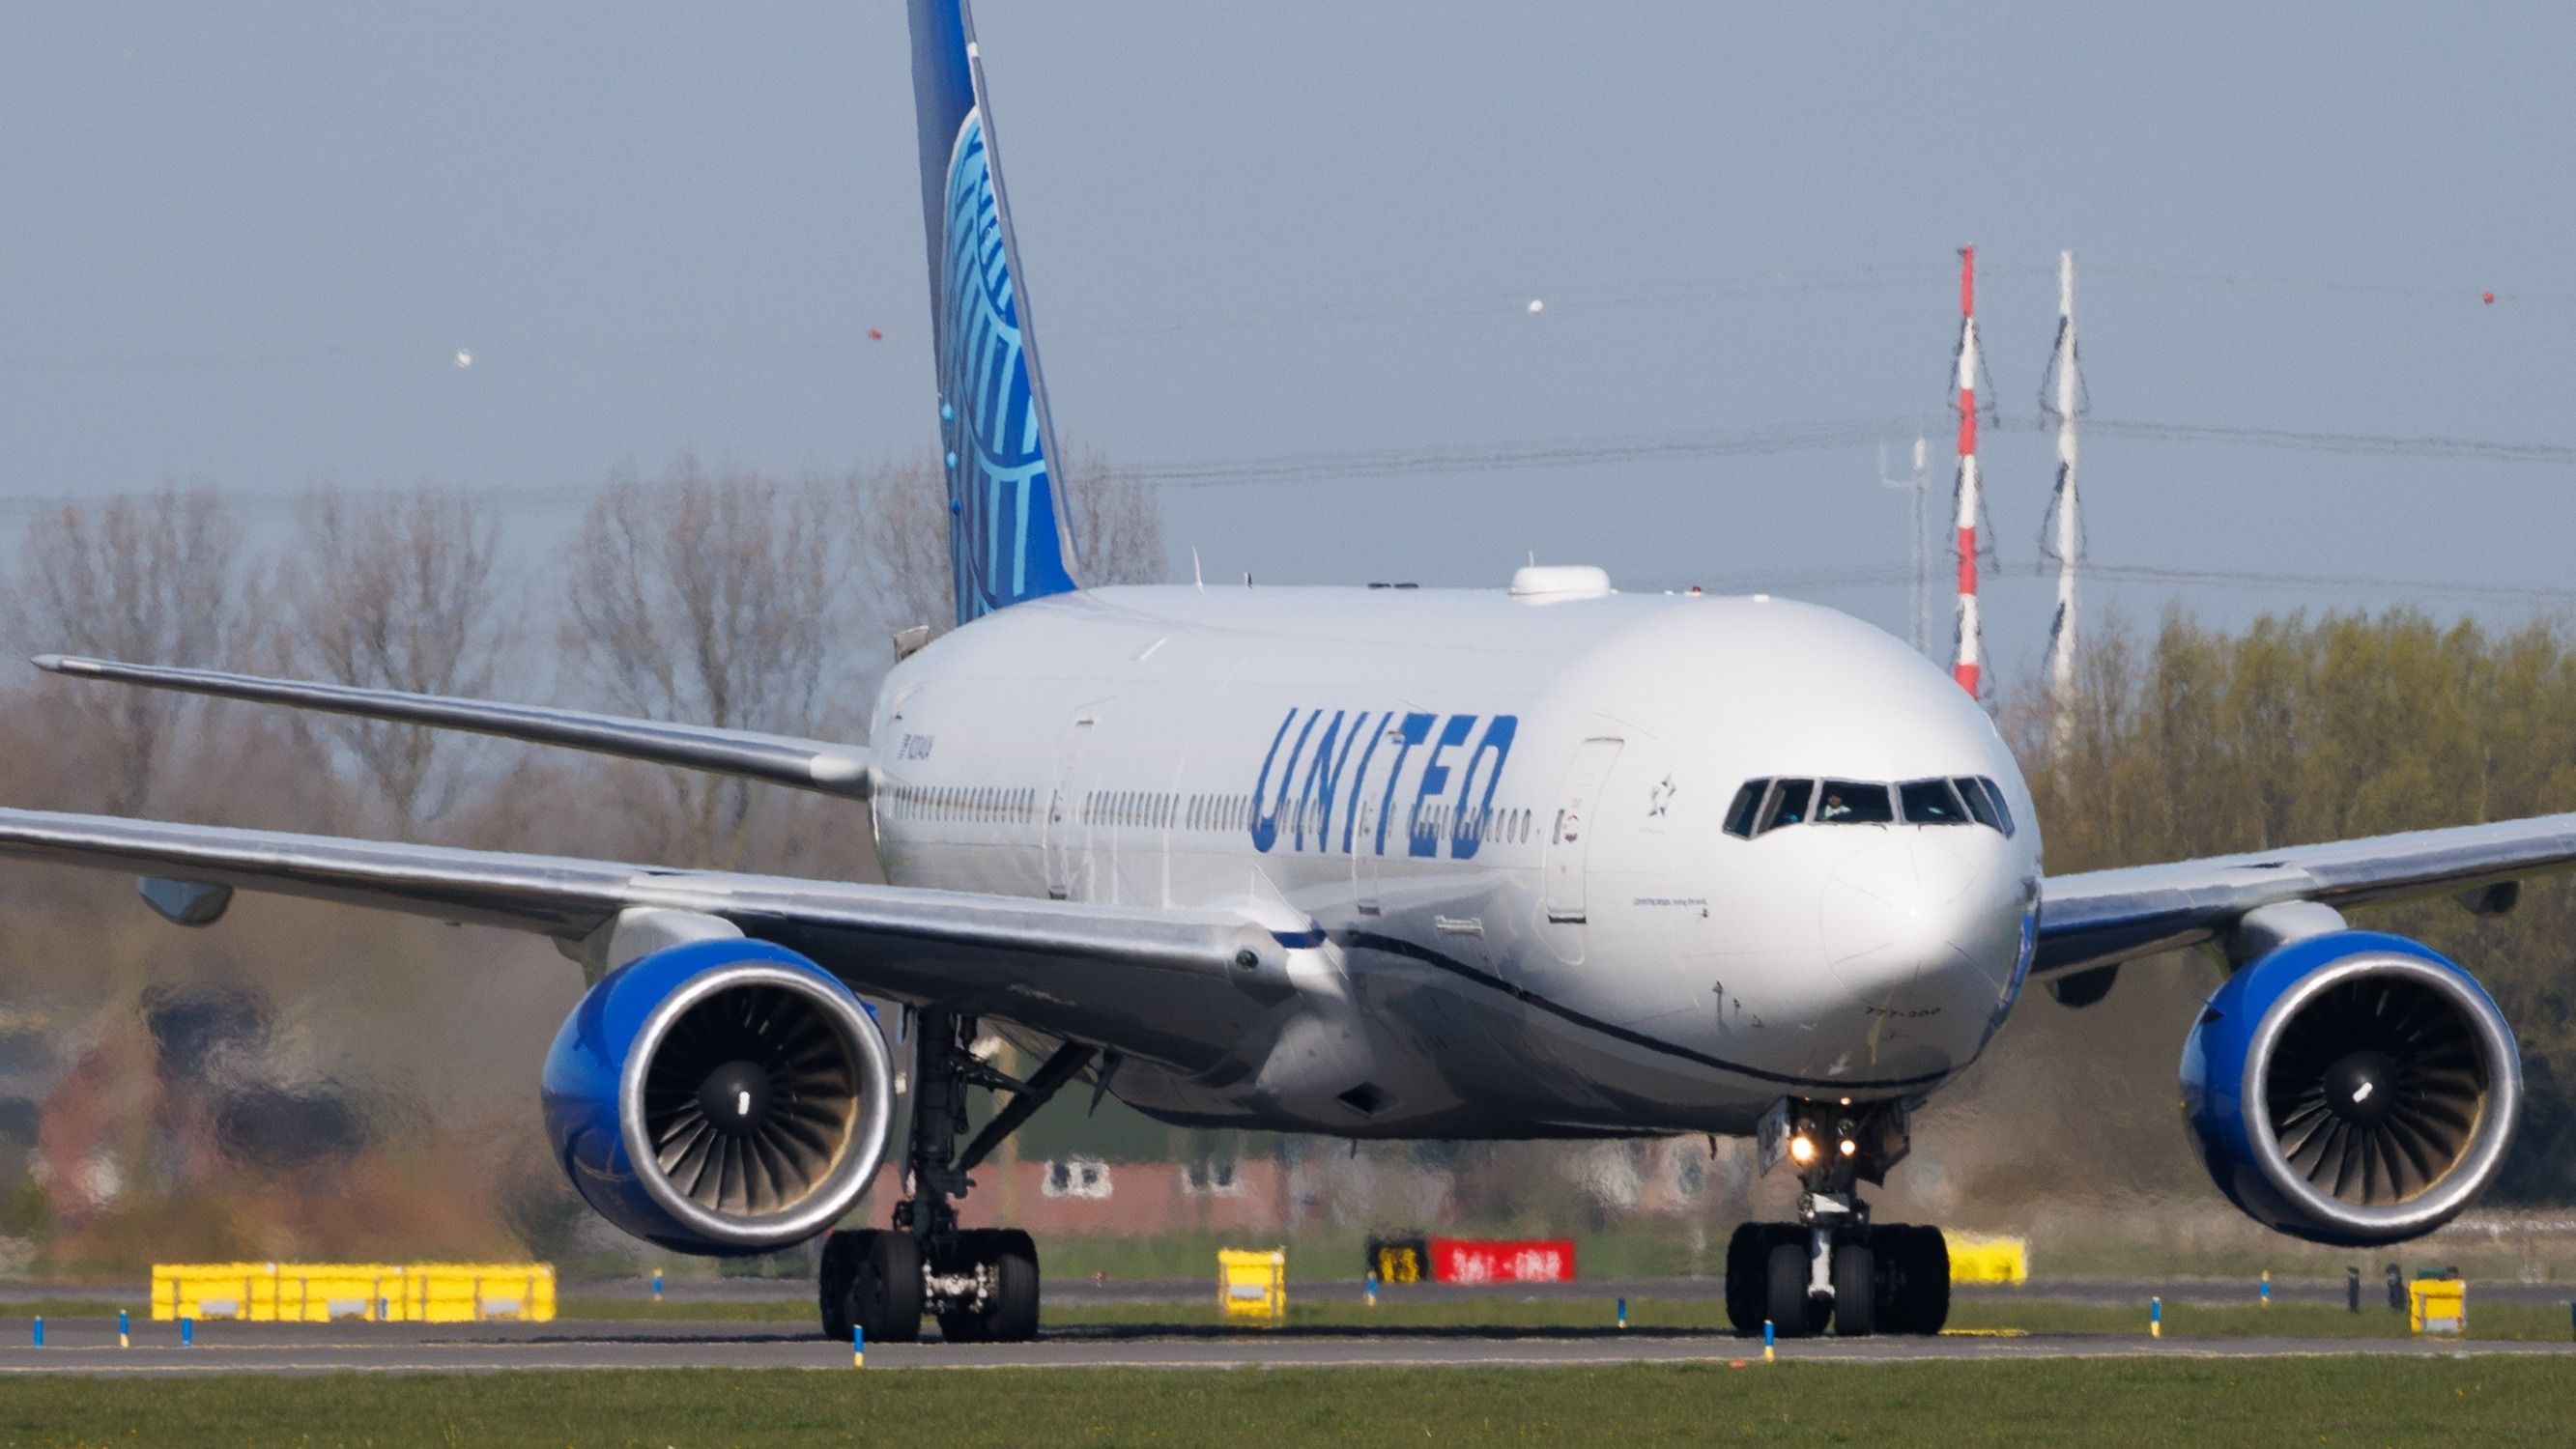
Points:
(980, 1284)
(1833, 1266)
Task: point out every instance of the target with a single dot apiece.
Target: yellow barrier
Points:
(1252, 1284)
(2437, 1305)
(389, 1292)
(1978, 1259)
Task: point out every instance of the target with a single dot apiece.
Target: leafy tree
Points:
(2300, 729)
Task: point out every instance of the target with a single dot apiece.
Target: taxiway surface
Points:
(88, 1346)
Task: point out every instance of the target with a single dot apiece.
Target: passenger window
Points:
(1748, 804)
(1849, 802)
(1788, 804)
(1930, 802)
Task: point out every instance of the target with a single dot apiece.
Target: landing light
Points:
(1850, 1148)
(1802, 1149)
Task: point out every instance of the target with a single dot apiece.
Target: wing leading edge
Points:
(777, 759)
(2101, 917)
(1167, 987)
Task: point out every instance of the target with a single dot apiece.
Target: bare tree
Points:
(711, 599)
(1115, 520)
(902, 513)
(154, 579)
(1117, 523)
(396, 591)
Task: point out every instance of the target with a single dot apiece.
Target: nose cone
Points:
(1922, 929)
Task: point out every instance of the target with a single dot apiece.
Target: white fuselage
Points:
(1492, 829)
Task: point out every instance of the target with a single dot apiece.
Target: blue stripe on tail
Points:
(1006, 535)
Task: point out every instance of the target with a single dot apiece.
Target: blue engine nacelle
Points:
(720, 1097)
(2352, 1088)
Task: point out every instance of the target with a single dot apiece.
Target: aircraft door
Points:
(1570, 834)
(1063, 825)
(1364, 860)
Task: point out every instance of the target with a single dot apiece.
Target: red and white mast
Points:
(1967, 666)
(2068, 400)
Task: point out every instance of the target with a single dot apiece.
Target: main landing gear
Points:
(1834, 1265)
(980, 1284)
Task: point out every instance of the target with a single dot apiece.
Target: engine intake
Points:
(720, 1097)
(2352, 1088)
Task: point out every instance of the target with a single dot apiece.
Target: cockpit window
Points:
(2003, 812)
(1788, 804)
(1762, 806)
(1849, 802)
(1748, 805)
(1930, 802)
(1979, 805)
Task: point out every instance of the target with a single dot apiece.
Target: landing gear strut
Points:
(980, 1284)
(1833, 1265)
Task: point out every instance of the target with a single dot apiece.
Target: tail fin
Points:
(1006, 522)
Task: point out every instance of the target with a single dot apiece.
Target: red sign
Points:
(1473, 1260)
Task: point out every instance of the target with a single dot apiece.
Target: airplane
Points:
(1536, 860)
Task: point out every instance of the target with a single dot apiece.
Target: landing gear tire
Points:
(885, 1293)
(963, 1325)
(1785, 1298)
(1009, 1312)
(1855, 1290)
(1913, 1279)
(1014, 1318)
(1748, 1271)
(1746, 1266)
(841, 1253)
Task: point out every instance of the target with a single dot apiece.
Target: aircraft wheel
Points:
(885, 1300)
(1855, 1290)
(1010, 1314)
(964, 1325)
(1746, 1273)
(841, 1253)
(1014, 1318)
(1785, 1297)
(1914, 1279)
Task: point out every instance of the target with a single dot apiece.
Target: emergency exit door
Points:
(1569, 841)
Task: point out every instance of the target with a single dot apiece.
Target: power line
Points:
(1797, 437)
(1561, 452)
(2018, 574)
(2474, 449)
(1597, 449)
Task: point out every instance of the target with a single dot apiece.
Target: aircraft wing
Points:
(1165, 986)
(2102, 917)
(777, 759)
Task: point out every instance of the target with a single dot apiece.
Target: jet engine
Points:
(2352, 1088)
(720, 1097)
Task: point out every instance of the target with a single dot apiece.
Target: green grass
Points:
(2500, 1322)
(2378, 1402)
(72, 1308)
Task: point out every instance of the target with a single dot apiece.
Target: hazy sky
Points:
(245, 243)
